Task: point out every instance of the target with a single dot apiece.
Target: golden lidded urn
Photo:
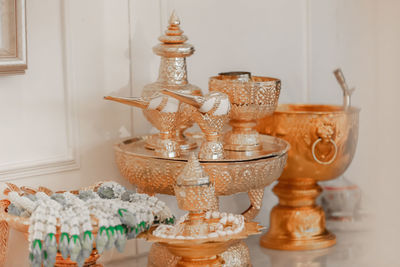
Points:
(323, 141)
(173, 51)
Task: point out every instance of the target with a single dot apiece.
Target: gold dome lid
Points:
(173, 41)
(193, 174)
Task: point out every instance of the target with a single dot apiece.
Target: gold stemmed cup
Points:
(323, 141)
(252, 98)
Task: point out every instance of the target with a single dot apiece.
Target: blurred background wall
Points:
(57, 131)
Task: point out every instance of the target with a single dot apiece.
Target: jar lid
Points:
(193, 174)
(173, 41)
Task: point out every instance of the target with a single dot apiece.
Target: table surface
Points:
(351, 250)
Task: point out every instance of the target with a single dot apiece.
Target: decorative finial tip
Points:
(173, 34)
(174, 19)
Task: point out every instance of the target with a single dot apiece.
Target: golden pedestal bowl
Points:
(200, 252)
(323, 141)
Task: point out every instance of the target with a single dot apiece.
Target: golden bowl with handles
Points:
(323, 141)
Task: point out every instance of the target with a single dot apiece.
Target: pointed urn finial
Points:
(173, 42)
(173, 34)
(174, 19)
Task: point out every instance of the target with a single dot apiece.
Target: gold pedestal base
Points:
(242, 137)
(238, 255)
(297, 223)
(301, 258)
(199, 255)
(324, 240)
(228, 251)
(211, 262)
(184, 143)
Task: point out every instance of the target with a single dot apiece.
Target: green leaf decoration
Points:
(37, 242)
(120, 212)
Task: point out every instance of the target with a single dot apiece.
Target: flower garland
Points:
(121, 215)
(228, 224)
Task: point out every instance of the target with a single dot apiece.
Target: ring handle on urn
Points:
(315, 157)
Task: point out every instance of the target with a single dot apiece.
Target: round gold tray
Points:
(240, 171)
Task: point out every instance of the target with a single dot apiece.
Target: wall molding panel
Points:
(69, 160)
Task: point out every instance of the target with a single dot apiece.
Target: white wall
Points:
(56, 129)
(388, 94)
(58, 132)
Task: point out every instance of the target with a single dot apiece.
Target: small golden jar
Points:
(194, 191)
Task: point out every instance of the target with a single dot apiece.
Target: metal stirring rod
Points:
(347, 92)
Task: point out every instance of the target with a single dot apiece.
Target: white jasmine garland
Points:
(73, 215)
(228, 224)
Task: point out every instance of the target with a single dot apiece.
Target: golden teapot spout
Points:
(195, 101)
(131, 101)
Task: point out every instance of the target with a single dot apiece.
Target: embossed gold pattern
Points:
(251, 99)
(237, 255)
(211, 113)
(250, 163)
(193, 190)
(164, 112)
(159, 254)
(173, 51)
(209, 252)
(238, 172)
(195, 194)
(297, 223)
